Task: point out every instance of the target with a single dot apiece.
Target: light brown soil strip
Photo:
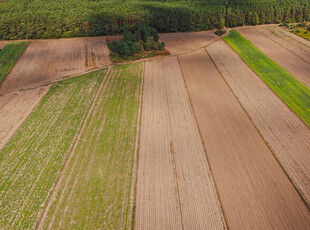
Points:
(293, 45)
(288, 60)
(283, 131)
(44, 61)
(179, 43)
(15, 108)
(255, 192)
(175, 189)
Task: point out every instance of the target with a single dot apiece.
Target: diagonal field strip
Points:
(254, 191)
(31, 161)
(9, 56)
(283, 57)
(175, 189)
(94, 191)
(290, 90)
(287, 136)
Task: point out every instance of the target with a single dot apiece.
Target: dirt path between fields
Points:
(254, 191)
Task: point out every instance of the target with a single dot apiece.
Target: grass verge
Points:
(31, 161)
(9, 56)
(95, 187)
(291, 91)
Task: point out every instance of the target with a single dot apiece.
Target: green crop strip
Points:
(9, 55)
(291, 91)
(94, 191)
(31, 161)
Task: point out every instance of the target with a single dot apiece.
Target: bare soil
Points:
(179, 43)
(175, 189)
(288, 60)
(283, 131)
(15, 108)
(254, 190)
(3, 44)
(48, 60)
(287, 40)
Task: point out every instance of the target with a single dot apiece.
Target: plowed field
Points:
(254, 191)
(175, 188)
(49, 60)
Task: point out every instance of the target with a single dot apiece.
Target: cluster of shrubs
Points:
(140, 38)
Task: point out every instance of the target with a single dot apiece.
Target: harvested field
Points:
(287, 40)
(254, 191)
(15, 108)
(49, 60)
(292, 92)
(178, 43)
(175, 189)
(31, 161)
(94, 191)
(9, 56)
(288, 60)
(282, 130)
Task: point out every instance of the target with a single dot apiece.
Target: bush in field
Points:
(133, 40)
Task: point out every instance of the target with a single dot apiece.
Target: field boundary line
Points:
(266, 142)
(74, 144)
(224, 218)
(133, 195)
(102, 67)
(281, 45)
(266, 83)
(27, 43)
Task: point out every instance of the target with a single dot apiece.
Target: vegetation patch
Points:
(94, 192)
(293, 93)
(9, 56)
(140, 42)
(31, 161)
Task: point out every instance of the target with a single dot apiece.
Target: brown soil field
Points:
(287, 40)
(15, 108)
(178, 43)
(49, 60)
(2, 44)
(175, 189)
(288, 60)
(283, 131)
(254, 191)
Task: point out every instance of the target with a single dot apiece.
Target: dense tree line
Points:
(71, 18)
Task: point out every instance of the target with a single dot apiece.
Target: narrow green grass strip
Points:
(290, 90)
(31, 161)
(9, 56)
(95, 189)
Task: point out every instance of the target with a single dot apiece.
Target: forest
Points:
(29, 19)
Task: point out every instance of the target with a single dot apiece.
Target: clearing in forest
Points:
(31, 161)
(254, 191)
(178, 43)
(291, 91)
(15, 108)
(45, 61)
(298, 67)
(175, 189)
(9, 56)
(282, 130)
(95, 188)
